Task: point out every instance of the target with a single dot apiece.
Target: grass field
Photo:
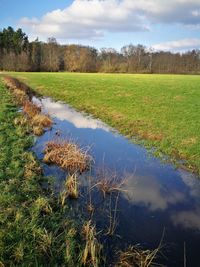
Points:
(162, 111)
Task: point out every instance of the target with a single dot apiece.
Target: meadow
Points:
(160, 111)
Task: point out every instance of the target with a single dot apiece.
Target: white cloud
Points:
(92, 18)
(178, 45)
(86, 19)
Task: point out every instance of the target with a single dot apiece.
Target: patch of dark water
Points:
(156, 197)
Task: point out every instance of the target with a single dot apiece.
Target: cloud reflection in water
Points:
(149, 192)
(64, 112)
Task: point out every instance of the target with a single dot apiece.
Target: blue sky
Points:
(169, 25)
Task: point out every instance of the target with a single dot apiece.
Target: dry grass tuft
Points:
(20, 96)
(36, 120)
(41, 120)
(151, 136)
(67, 155)
(70, 189)
(31, 109)
(38, 130)
(112, 216)
(13, 83)
(92, 249)
(136, 257)
(72, 186)
(10, 83)
(108, 183)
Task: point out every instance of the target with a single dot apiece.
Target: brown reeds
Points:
(72, 186)
(21, 92)
(67, 155)
(112, 216)
(31, 109)
(13, 83)
(90, 206)
(108, 182)
(38, 120)
(10, 82)
(136, 257)
(38, 130)
(70, 189)
(20, 96)
(92, 250)
(41, 120)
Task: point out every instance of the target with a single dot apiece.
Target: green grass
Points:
(34, 228)
(161, 110)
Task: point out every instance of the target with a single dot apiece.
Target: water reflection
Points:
(192, 183)
(149, 192)
(187, 219)
(64, 112)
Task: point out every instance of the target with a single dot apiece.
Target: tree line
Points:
(18, 54)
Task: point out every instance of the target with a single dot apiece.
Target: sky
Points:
(160, 24)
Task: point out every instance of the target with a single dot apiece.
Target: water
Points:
(157, 198)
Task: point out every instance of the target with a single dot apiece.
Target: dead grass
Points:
(108, 182)
(112, 216)
(136, 257)
(31, 109)
(38, 120)
(91, 254)
(42, 120)
(20, 96)
(13, 84)
(70, 189)
(72, 186)
(10, 82)
(34, 117)
(38, 130)
(67, 155)
(152, 136)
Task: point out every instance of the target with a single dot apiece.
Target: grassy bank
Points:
(160, 110)
(34, 228)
